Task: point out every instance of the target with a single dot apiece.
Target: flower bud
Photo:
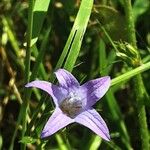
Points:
(128, 53)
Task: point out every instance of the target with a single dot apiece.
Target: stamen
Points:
(71, 106)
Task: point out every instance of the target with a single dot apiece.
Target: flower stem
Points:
(130, 74)
(140, 90)
(27, 69)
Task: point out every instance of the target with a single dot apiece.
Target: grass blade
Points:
(74, 41)
(39, 13)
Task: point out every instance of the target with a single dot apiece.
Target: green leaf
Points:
(74, 41)
(39, 13)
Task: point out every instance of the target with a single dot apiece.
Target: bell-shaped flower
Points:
(74, 103)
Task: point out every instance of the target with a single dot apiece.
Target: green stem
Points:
(130, 23)
(109, 38)
(130, 74)
(23, 111)
(27, 69)
(140, 91)
(29, 36)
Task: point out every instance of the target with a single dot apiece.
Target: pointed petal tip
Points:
(66, 79)
(44, 134)
(107, 81)
(92, 120)
(107, 78)
(107, 138)
(27, 85)
(31, 84)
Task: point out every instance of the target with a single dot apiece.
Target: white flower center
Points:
(71, 105)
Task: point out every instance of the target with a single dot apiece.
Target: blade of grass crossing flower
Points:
(111, 101)
(34, 116)
(37, 65)
(59, 65)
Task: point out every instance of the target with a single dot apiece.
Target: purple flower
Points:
(74, 103)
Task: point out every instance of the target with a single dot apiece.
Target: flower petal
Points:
(57, 121)
(94, 121)
(93, 90)
(56, 93)
(66, 79)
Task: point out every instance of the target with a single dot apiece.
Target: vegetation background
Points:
(90, 39)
